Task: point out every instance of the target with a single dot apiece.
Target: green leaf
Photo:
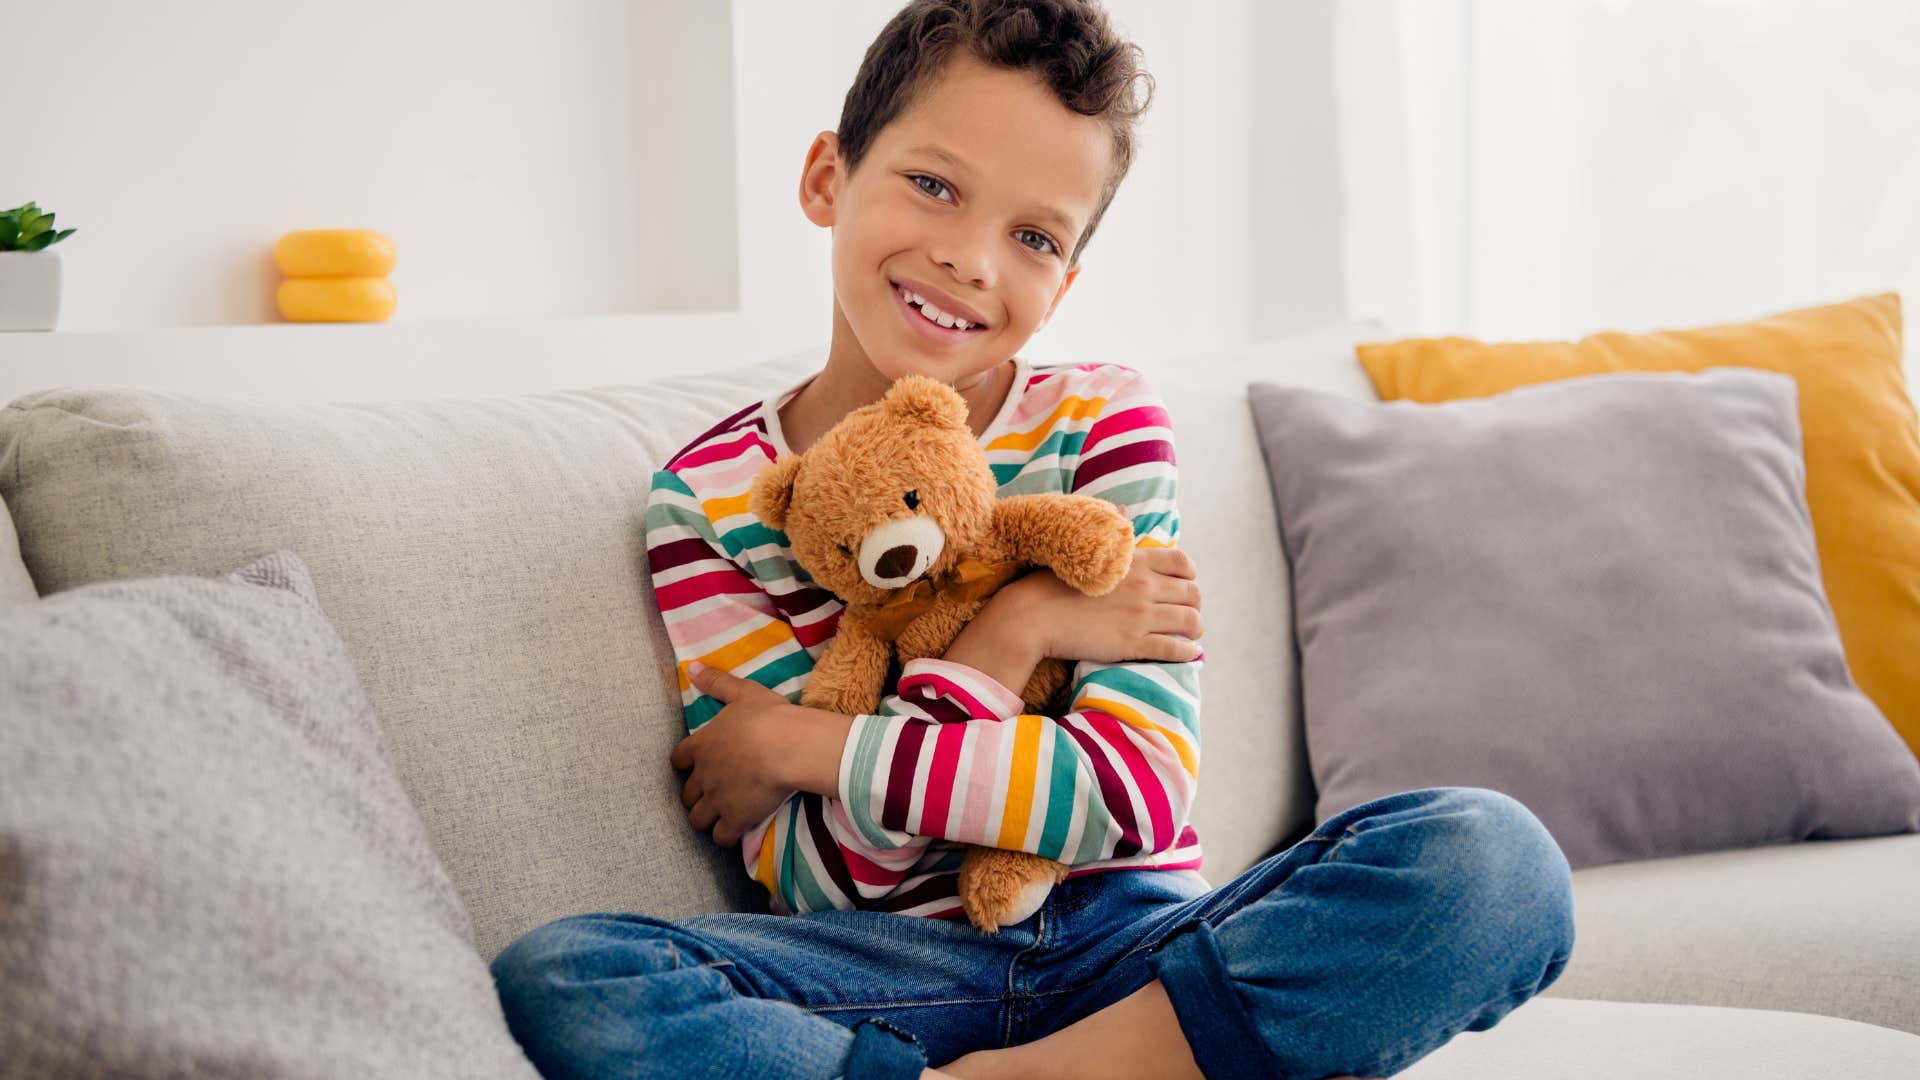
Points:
(33, 226)
(9, 231)
(44, 240)
(61, 235)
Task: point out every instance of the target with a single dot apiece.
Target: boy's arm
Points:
(950, 755)
(808, 854)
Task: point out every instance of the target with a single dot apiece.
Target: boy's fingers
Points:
(1169, 561)
(682, 756)
(1174, 650)
(721, 683)
(710, 680)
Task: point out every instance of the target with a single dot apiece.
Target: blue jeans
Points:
(1390, 929)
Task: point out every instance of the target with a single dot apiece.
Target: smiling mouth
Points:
(931, 312)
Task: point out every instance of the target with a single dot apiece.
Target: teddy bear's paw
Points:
(1104, 569)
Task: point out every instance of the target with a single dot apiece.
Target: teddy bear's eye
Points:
(846, 549)
(913, 500)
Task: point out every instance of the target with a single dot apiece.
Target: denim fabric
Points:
(1393, 927)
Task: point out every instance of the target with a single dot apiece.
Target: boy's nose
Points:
(966, 258)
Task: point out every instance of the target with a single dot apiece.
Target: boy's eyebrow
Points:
(1058, 217)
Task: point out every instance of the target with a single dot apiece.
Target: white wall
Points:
(506, 147)
(539, 161)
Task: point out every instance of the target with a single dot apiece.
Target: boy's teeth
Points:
(934, 314)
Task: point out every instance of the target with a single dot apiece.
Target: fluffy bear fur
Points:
(848, 507)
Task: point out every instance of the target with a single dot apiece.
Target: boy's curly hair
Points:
(1069, 43)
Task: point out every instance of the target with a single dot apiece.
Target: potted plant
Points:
(29, 273)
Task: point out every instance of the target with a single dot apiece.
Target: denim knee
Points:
(1506, 878)
(538, 973)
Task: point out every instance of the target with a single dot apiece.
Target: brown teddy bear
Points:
(895, 512)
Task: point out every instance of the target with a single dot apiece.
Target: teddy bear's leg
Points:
(1050, 677)
(1000, 888)
(850, 673)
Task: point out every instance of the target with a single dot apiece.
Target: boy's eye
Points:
(937, 185)
(1045, 240)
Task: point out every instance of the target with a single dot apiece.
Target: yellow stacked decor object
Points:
(335, 275)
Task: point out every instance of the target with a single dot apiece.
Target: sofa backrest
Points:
(484, 560)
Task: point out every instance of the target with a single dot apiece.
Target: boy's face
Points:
(953, 198)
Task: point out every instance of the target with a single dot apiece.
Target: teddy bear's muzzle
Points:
(900, 551)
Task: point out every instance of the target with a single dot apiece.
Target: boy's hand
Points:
(1151, 615)
(735, 757)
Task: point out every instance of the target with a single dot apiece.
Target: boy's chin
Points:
(948, 369)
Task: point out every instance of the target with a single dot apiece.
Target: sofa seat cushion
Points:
(1822, 926)
(1551, 1038)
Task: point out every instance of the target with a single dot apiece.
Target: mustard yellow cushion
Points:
(1861, 441)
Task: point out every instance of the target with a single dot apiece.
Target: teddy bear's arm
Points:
(851, 672)
(1086, 542)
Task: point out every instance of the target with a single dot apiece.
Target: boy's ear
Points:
(772, 493)
(1059, 296)
(821, 179)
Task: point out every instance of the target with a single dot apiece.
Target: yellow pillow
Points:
(1861, 441)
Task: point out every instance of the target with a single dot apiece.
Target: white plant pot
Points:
(29, 290)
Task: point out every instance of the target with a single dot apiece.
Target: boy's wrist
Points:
(812, 759)
(1003, 641)
(1016, 617)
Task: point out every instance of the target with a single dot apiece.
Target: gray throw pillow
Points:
(15, 584)
(1600, 596)
(208, 866)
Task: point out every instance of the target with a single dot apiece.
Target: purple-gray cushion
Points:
(1600, 596)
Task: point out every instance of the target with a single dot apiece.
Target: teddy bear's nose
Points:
(897, 561)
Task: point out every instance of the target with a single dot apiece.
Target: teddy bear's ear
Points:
(928, 401)
(772, 491)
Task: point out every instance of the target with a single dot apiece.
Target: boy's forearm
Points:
(998, 643)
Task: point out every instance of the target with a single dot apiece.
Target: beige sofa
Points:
(483, 559)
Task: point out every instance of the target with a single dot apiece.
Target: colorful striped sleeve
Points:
(808, 854)
(951, 756)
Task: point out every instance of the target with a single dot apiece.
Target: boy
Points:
(978, 148)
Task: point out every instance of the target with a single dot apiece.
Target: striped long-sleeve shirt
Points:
(949, 758)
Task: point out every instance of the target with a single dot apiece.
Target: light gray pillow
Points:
(1600, 596)
(16, 585)
(208, 866)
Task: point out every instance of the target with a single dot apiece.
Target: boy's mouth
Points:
(931, 312)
